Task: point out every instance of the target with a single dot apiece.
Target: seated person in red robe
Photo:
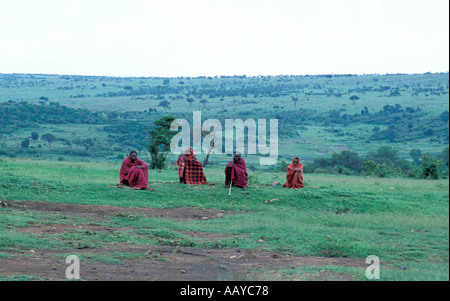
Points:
(134, 173)
(236, 172)
(190, 170)
(295, 175)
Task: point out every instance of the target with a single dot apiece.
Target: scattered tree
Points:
(190, 100)
(204, 102)
(215, 144)
(354, 98)
(431, 167)
(25, 143)
(416, 154)
(164, 104)
(50, 139)
(160, 142)
(35, 136)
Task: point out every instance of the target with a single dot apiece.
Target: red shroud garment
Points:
(294, 178)
(135, 177)
(238, 172)
(190, 170)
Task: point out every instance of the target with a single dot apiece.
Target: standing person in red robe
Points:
(236, 172)
(134, 173)
(190, 170)
(295, 175)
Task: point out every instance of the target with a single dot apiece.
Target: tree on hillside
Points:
(354, 98)
(25, 143)
(190, 100)
(88, 143)
(369, 168)
(444, 116)
(431, 167)
(164, 104)
(35, 136)
(215, 145)
(384, 155)
(50, 139)
(416, 154)
(347, 159)
(295, 100)
(159, 146)
(204, 102)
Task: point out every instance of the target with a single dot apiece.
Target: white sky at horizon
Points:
(223, 37)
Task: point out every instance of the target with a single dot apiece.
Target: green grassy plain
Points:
(405, 222)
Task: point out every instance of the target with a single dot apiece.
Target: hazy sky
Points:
(223, 37)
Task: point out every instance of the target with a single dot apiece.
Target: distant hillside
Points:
(318, 115)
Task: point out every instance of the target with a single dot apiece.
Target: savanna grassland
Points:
(371, 146)
(53, 209)
(318, 115)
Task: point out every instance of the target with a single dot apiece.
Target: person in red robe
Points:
(190, 170)
(134, 173)
(236, 172)
(295, 175)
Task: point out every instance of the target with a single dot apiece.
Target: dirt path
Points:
(177, 214)
(158, 262)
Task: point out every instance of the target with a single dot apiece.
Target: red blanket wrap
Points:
(239, 174)
(294, 178)
(136, 178)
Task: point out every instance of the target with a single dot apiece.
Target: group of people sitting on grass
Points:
(134, 172)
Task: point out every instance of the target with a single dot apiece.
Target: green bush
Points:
(431, 167)
(369, 168)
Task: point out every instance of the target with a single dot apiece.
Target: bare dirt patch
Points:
(178, 214)
(40, 229)
(162, 263)
(113, 262)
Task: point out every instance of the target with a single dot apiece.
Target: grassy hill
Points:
(405, 222)
(318, 115)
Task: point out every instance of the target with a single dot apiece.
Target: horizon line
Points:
(236, 75)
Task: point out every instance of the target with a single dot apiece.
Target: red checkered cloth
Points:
(132, 176)
(238, 172)
(190, 169)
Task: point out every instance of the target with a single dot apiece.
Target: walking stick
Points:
(231, 180)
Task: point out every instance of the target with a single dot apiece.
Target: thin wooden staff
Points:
(231, 180)
(128, 187)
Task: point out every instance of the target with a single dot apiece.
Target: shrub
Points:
(347, 172)
(369, 168)
(431, 167)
